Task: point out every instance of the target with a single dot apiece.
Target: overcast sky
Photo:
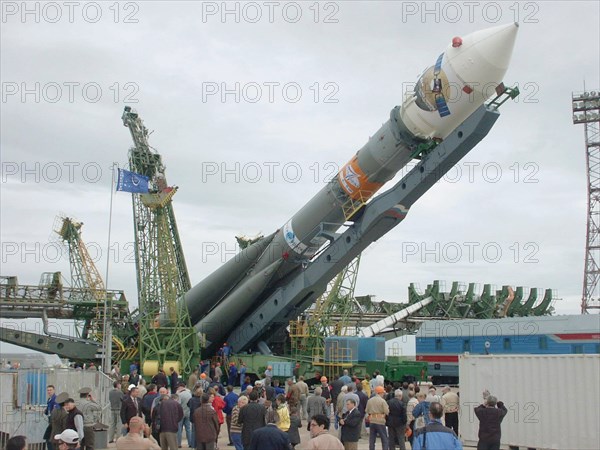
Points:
(254, 109)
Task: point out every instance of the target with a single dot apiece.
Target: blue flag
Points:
(132, 182)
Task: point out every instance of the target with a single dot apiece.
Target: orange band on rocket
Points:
(355, 183)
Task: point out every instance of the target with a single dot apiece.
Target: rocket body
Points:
(461, 79)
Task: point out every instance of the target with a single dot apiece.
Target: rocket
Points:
(458, 82)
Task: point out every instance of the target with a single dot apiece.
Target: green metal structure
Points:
(464, 302)
(84, 276)
(328, 316)
(95, 315)
(162, 276)
(52, 300)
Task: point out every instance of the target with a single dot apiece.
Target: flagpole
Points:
(107, 363)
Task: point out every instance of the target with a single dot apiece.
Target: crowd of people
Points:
(265, 415)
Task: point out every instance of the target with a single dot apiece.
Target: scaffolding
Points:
(328, 316)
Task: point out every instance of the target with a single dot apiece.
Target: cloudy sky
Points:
(255, 105)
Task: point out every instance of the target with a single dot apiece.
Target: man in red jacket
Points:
(218, 405)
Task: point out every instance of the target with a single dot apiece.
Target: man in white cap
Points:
(68, 439)
(260, 390)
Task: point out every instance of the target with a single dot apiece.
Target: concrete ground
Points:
(363, 444)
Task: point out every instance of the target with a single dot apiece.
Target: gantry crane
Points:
(162, 276)
(84, 274)
(92, 296)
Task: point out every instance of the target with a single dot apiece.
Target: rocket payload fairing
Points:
(462, 78)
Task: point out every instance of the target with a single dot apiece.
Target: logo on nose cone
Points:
(433, 88)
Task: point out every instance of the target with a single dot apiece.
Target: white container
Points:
(553, 401)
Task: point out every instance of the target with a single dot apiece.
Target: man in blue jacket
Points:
(51, 405)
(269, 437)
(230, 401)
(435, 435)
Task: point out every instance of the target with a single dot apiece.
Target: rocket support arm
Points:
(73, 348)
(377, 218)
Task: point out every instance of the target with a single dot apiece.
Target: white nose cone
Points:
(484, 56)
(460, 81)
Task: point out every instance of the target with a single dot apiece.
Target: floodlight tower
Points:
(586, 110)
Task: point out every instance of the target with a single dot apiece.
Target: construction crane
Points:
(84, 274)
(88, 284)
(86, 301)
(162, 276)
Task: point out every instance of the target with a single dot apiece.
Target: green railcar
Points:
(397, 369)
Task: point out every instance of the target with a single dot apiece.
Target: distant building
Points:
(29, 360)
(439, 342)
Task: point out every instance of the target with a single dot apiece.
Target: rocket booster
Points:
(461, 79)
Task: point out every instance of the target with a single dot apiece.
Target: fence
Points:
(24, 398)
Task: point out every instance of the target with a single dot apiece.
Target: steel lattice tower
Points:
(586, 110)
(166, 334)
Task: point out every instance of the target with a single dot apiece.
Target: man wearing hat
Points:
(138, 438)
(130, 407)
(91, 411)
(325, 390)
(74, 418)
(203, 382)
(377, 410)
(58, 417)
(68, 439)
(260, 391)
